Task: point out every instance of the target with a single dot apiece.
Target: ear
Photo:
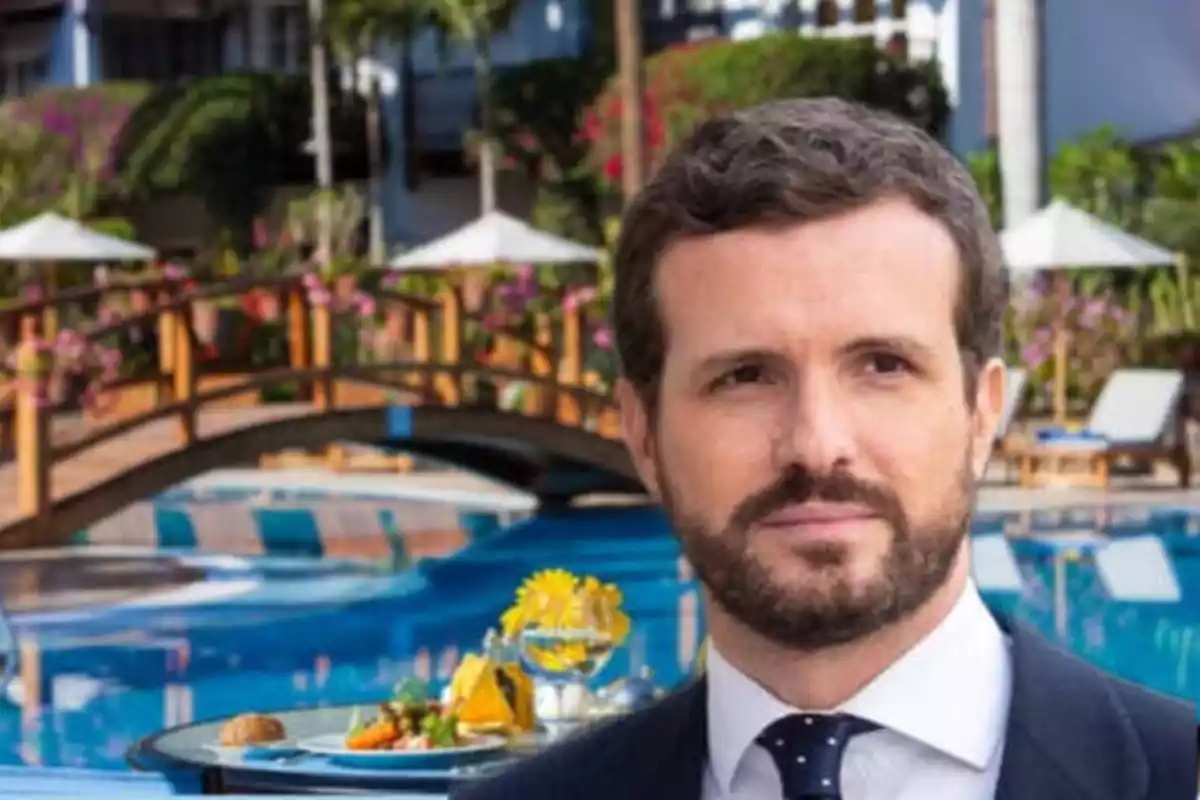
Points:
(639, 435)
(989, 408)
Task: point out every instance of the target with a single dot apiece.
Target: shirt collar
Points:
(949, 692)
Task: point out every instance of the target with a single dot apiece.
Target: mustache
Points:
(799, 485)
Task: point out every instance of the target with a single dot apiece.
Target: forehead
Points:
(884, 270)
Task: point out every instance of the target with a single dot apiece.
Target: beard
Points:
(829, 610)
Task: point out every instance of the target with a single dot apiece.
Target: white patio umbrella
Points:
(50, 237)
(1061, 237)
(495, 238)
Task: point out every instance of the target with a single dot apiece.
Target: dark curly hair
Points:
(787, 163)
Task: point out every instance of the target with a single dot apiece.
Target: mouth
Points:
(819, 517)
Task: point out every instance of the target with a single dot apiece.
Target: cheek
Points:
(920, 455)
(712, 461)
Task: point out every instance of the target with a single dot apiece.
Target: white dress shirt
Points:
(942, 709)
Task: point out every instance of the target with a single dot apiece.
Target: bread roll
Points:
(247, 729)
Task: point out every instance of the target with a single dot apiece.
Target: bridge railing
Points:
(344, 348)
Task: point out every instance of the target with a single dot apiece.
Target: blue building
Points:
(80, 42)
(1132, 65)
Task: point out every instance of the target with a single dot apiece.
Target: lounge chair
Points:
(1014, 389)
(1137, 415)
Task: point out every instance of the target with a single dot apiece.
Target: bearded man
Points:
(808, 311)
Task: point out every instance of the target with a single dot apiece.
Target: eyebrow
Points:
(899, 344)
(728, 359)
(723, 361)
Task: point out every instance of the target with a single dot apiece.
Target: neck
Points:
(820, 680)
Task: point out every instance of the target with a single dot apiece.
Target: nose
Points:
(815, 428)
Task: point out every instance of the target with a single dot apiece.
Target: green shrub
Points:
(686, 84)
(59, 148)
(230, 139)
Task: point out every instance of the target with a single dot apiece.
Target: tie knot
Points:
(808, 750)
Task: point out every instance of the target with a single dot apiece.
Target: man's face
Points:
(813, 443)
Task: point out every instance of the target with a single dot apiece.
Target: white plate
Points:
(333, 747)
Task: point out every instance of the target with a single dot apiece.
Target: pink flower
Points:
(1034, 354)
(110, 362)
(260, 233)
(319, 296)
(174, 272)
(577, 297)
(1093, 310)
(69, 345)
(364, 304)
(603, 338)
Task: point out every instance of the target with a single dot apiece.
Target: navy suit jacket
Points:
(1074, 733)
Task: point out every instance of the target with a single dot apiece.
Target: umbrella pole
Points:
(1063, 289)
(1182, 274)
(50, 311)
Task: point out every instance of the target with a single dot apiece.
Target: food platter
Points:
(333, 747)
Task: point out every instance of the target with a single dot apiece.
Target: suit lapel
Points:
(1067, 736)
(680, 755)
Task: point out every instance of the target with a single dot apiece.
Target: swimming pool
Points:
(1117, 585)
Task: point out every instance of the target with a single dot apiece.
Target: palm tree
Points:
(357, 29)
(473, 23)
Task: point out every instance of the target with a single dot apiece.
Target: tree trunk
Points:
(377, 246)
(487, 148)
(629, 69)
(322, 147)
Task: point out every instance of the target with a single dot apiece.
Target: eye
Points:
(741, 375)
(884, 363)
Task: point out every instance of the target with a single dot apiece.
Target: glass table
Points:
(190, 750)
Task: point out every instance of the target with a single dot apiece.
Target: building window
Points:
(827, 14)
(21, 75)
(287, 38)
(864, 10)
(148, 49)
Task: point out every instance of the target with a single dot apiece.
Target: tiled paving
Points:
(119, 454)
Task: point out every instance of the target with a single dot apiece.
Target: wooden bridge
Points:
(375, 366)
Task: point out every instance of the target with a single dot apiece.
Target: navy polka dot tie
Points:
(808, 750)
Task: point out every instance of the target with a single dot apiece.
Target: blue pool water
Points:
(1119, 586)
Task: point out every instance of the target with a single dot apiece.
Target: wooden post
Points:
(168, 322)
(32, 432)
(299, 352)
(50, 311)
(322, 341)
(422, 350)
(570, 365)
(1062, 286)
(539, 400)
(450, 389)
(184, 374)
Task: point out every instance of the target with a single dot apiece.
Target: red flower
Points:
(591, 128)
(613, 168)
